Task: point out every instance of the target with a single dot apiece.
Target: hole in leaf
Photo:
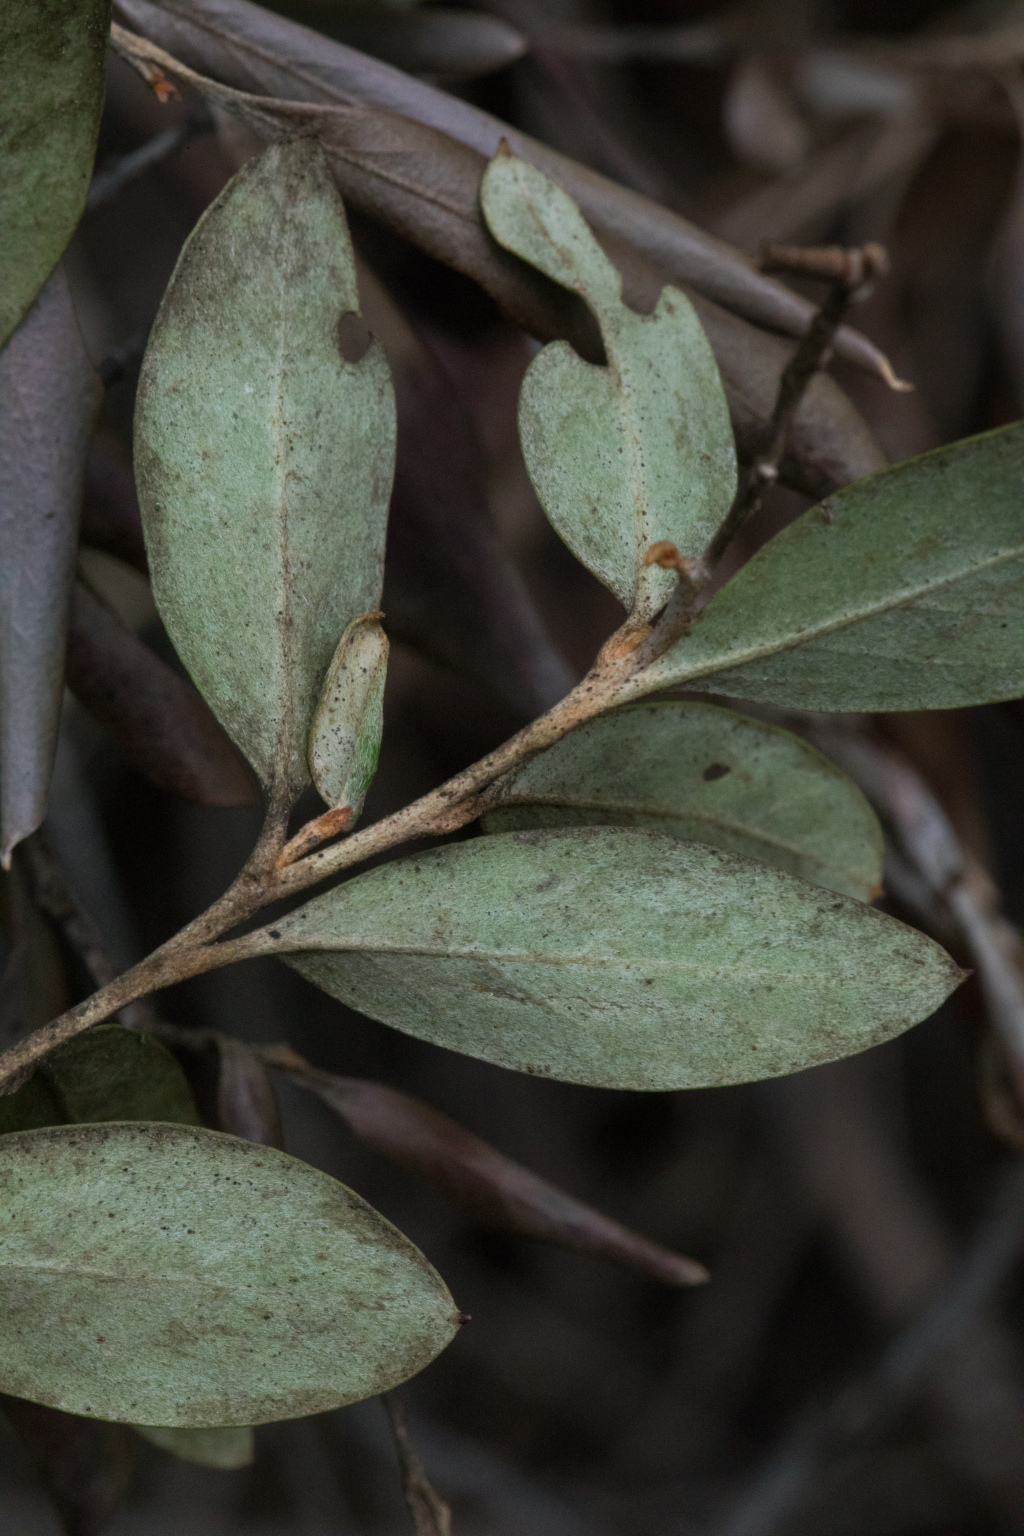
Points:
(715, 771)
(354, 337)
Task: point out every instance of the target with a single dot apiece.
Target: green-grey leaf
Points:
(30, 1106)
(624, 456)
(903, 591)
(112, 1073)
(225, 1448)
(52, 55)
(621, 958)
(264, 458)
(700, 772)
(170, 1275)
(345, 740)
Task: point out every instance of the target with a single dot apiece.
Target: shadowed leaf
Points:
(902, 592)
(246, 1102)
(49, 396)
(263, 457)
(624, 456)
(428, 40)
(227, 1449)
(52, 55)
(700, 772)
(33, 987)
(623, 959)
(154, 717)
(112, 1073)
(494, 1188)
(180, 1248)
(85, 1465)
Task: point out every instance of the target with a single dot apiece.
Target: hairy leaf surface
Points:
(700, 772)
(903, 591)
(170, 1275)
(621, 958)
(264, 458)
(624, 456)
(52, 55)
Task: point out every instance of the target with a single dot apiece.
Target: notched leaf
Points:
(264, 456)
(625, 456)
(344, 743)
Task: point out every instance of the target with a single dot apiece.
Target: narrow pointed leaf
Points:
(902, 592)
(700, 772)
(49, 396)
(624, 456)
(52, 56)
(349, 721)
(203, 1280)
(494, 1188)
(264, 457)
(225, 1448)
(620, 958)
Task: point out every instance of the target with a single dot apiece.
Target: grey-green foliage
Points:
(903, 591)
(624, 456)
(169, 1275)
(52, 56)
(621, 958)
(226, 1448)
(264, 458)
(345, 739)
(701, 772)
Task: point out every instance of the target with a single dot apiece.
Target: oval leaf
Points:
(624, 456)
(620, 958)
(52, 59)
(345, 740)
(202, 1280)
(113, 1073)
(227, 1448)
(700, 772)
(264, 457)
(901, 592)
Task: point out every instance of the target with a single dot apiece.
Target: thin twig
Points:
(430, 1514)
(864, 1407)
(850, 274)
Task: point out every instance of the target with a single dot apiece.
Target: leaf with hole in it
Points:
(345, 740)
(264, 455)
(700, 772)
(52, 58)
(619, 958)
(170, 1275)
(903, 591)
(624, 456)
(226, 1448)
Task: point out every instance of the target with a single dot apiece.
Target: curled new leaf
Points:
(264, 455)
(625, 456)
(52, 56)
(495, 1188)
(203, 1280)
(701, 772)
(345, 741)
(901, 592)
(620, 958)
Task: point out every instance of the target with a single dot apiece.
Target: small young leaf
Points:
(345, 741)
(901, 592)
(49, 397)
(620, 958)
(226, 1448)
(264, 457)
(700, 772)
(52, 56)
(624, 456)
(203, 1280)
